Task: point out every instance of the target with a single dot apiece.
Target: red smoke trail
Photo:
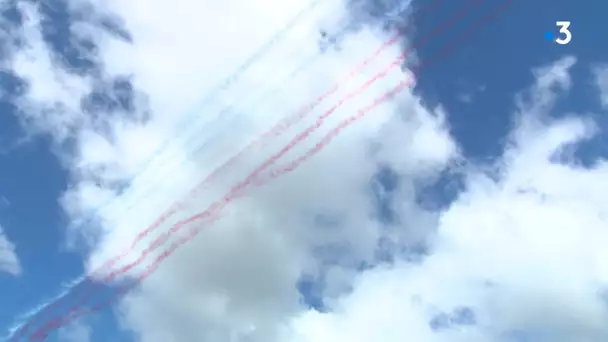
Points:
(349, 121)
(41, 333)
(279, 128)
(259, 142)
(299, 138)
(162, 239)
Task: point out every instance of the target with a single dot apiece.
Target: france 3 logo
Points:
(564, 35)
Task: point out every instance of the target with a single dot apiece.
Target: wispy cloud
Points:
(9, 262)
(601, 79)
(75, 332)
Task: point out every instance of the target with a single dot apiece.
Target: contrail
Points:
(397, 63)
(347, 122)
(230, 196)
(42, 333)
(226, 83)
(277, 130)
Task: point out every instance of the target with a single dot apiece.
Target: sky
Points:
(437, 174)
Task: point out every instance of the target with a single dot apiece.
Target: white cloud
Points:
(9, 262)
(521, 246)
(75, 332)
(274, 222)
(601, 78)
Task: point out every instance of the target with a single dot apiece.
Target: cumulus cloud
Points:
(276, 222)
(9, 262)
(518, 253)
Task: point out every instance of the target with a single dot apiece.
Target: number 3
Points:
(563, 28)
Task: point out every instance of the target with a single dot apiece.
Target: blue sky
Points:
(476, 87)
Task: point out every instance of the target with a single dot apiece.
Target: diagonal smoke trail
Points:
(211, 213)
(279, 128)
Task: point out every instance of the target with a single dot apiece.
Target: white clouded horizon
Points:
(519, 251)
